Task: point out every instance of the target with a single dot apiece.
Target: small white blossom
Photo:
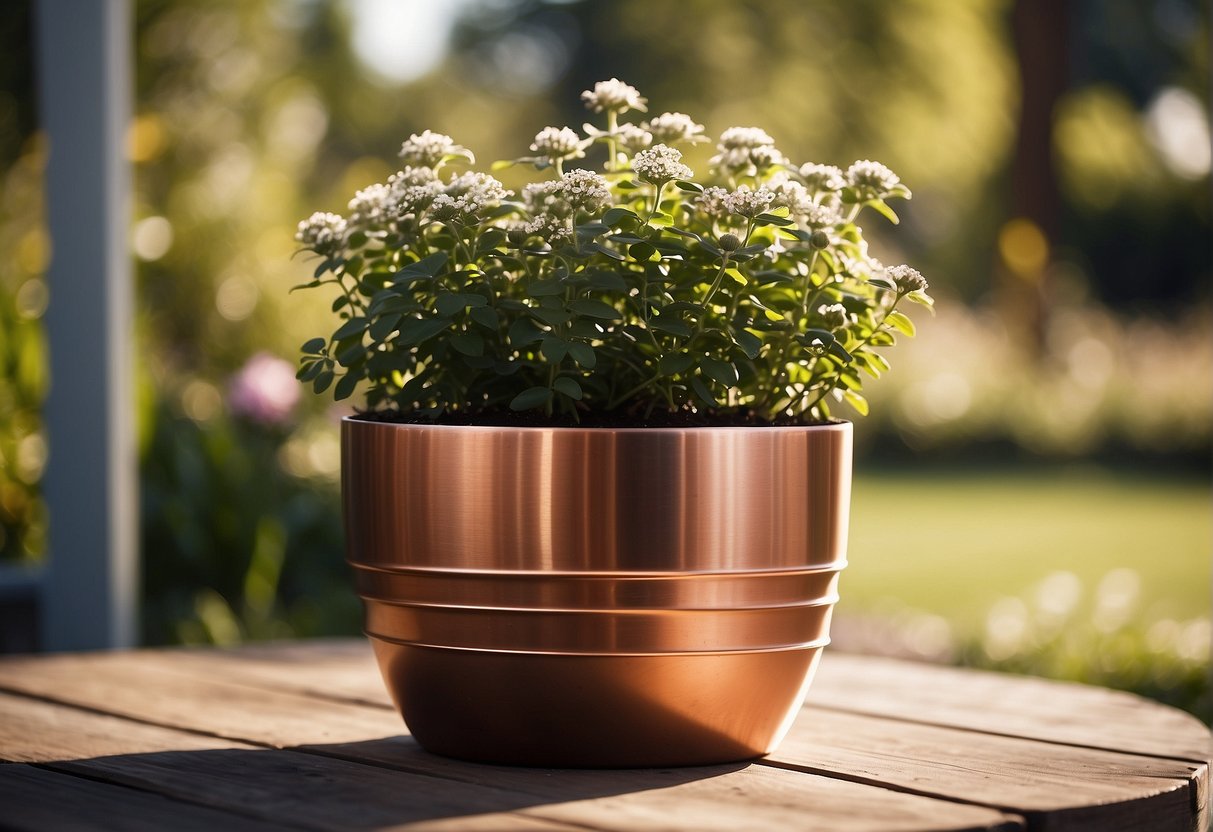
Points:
(834, 315)
(822, 178)
(871, 180)
(613, 96)
(413, 189)
(819, 216)
(749, 203)
(545, 198)
(711, 201)
(372, 206)
(790, 194)
(660, 164)
(907, 279)
(634, 138)
(668, 128)
(467, 195)
(558, 143)
(429, 149)
(585, 189)
(553, 230)
(745, 150)
(322, 231)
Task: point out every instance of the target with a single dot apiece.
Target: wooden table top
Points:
(302, 736)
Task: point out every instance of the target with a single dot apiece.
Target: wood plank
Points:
(1038, 779)
(35, 799)
(268, 783)
(1000, 703)
(137, 686)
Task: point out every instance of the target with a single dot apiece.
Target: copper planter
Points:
(596, 597)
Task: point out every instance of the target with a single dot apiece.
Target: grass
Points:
(954, 543)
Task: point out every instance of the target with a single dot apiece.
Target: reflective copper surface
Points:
(538, 590)
(596, 711)
(597, 597)
(568, 499)
(601, 631)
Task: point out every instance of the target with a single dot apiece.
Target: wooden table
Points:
(301, 736)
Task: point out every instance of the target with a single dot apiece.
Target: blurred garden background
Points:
(1034, 483)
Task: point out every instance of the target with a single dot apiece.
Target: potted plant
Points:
(597, 503)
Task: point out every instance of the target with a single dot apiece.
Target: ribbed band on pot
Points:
(541, 590)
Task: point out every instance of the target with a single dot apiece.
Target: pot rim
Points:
(840, 425)
(604, 575)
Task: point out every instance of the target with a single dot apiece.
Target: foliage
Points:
(625, 292)
(236, 547)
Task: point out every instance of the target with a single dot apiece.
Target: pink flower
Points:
(265, 390)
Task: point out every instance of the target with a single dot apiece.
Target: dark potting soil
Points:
(589, 419)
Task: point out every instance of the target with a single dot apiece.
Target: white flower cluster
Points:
(790, 194)
(429, 149)
(413, 189)
(613, 96)
(558, 143)
(467, 195)
(833, 315)
(660, 164)
(822, 179)
(371, 207)
(585, 189)
(668, 128)
(871, 180)
(711, 201)
(634, 138)
(746, 150)
(819, 216)
(749, 203)
(553, 204)
(906, 279)
(322, 231)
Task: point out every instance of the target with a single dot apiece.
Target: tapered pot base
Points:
(596, 711)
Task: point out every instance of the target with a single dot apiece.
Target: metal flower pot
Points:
(597, 597)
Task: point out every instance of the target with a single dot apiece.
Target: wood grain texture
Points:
(858, 758)
(392, 783)
(999, 703)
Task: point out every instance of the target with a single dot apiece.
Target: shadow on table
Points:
(376, 783)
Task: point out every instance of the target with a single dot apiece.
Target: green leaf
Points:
(856, 401)
(428, 266)
(345, 386)
(309, 370)
(835, 349)
(448, 303)
(324, 267)
(594, 309)
(568, 387)
(314, 347)
(531, 398)
(583, 354)
(468, 343)
(671, 326)
(553, 317)
(721, 371)
(614, 215)
(693, 187)
(485, 316)
(882, 208)
(339, 303)
(900, 323)
(702, 391)
(554, 349)
(523, 332)
(322, 381)
(882, 283)
(607, 282)
(416, 330)
(772, 219)
(546, 288)
(384, 326)
(749, 343)
(922, 298)
(673, 363)
(354, 326)
(737, 276)
(643, 252)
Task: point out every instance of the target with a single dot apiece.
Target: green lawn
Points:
(953, 543)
